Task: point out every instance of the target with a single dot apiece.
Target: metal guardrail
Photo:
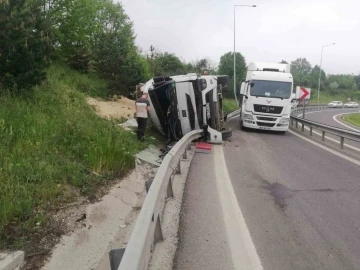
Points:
(324, 107)
(341, 133)
(232, 114)
(147, 230)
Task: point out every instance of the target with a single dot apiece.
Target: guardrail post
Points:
(178, 168)
(169, 191)
(148, 185)
(185, 154)
(311, 128)
(342, 142)
(115, 256)
(302, 127)
(189, 146)
(158, 232)
(323, 136)
(292, 122)
(296, 124)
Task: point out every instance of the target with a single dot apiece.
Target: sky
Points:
(275, 30)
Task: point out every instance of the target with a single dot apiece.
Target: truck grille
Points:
(266, 118)
(267, 109)
(263, 124)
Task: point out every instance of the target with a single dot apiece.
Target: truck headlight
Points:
(203, 84)
(284, 120)
(248, 116)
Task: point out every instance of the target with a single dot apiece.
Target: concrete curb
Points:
(11, 261)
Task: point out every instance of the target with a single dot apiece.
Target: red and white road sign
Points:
(302, 92)
(305, 92)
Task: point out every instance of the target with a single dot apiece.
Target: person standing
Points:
(142, 109)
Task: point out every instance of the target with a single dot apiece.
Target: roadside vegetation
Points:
(50, 142)
(333, 86)
(229, 105)
(53, 55)
(353, 119)
(326, 97)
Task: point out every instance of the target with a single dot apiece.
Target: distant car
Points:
(335, 104)
(351, 105)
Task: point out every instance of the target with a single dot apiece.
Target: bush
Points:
(25, 44)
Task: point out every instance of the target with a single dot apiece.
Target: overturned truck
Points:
(182, 103)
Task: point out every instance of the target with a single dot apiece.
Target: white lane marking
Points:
(326, 148)
(340, 122)
(242, 248)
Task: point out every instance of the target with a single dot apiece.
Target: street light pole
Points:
(237, 102)
(322, 49)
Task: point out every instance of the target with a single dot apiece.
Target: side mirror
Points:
(252, 84)
(246, 97)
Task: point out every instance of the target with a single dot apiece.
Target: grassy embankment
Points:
(52, 143)
(353, 119)
(229, 105)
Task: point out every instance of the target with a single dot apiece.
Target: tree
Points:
(200, 66)
(301, 69)
(190, 68)
(334, 85)
(116, 57)
(345, 81)
(284, 62)
(76, 23)
(25, 43)
(167, 64)
(226, 67)
(314, 77)
(357, 81)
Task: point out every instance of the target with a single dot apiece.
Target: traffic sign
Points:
(302, 92)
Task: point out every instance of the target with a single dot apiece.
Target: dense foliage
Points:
(306, 75)
(89, 35)
(226, 67)
(25, 43)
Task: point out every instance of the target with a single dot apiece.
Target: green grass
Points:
(353, 119)
(229, 105)
(51, 141)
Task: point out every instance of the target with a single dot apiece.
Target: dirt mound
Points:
(121, 107)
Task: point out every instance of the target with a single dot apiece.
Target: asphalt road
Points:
(300, 204)
(326, 117)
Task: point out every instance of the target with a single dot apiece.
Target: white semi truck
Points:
(182, 103)
(266, 96)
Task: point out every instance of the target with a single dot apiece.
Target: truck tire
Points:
(226, 133)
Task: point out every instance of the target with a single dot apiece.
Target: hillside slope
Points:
(55, 148)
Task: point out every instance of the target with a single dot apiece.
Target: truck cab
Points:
(182, 103)
(266, 97)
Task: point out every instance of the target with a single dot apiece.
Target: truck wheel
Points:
(226, 133)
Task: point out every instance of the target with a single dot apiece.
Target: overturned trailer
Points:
(182, 103)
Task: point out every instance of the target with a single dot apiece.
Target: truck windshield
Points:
(271, 89)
